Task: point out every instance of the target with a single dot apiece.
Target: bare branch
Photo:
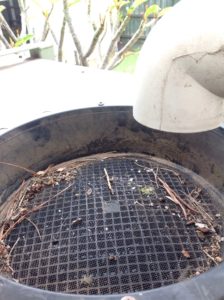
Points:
(95, 39)
(46, 23)
(17, 166)
(61, 41)
(24, 18)
(101, 37)
(77, 61)
(89, 7)
(76, 41)
(114, 40)
(117, 62)
(131, 42)
(4, 40)
(53, 35)
(6, 26)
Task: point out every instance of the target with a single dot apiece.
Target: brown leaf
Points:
(40, 173)
(202, 227)
(185, 253)
(218, 259)
(60, 169)
(89, 192)
(112, 258)
(201, 235)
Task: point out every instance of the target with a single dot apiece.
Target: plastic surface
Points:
(77, 133)
(180, 71)
(206, 286)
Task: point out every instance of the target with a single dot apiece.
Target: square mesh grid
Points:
(95, 242)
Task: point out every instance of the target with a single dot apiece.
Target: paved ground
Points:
(38, 88)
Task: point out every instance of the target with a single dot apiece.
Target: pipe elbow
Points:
(180, 72)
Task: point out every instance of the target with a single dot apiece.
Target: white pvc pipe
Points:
(180, 72)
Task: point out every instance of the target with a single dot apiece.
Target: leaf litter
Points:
(19, 207)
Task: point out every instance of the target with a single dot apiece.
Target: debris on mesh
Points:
(195, 215)
(21, 204)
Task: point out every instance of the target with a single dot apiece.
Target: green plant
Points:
(118, 14)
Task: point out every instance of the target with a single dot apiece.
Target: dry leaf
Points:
(87, 279)
(202, 227)
(60, 169)
(185, 253)
(218, 259)
(41, 173)
(89, 192)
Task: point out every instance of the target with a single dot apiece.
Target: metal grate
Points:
(95, 242)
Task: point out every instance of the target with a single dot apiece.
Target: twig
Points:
(200, 210)
(173, 196)
(170, 170)
(89, 7)
(196, 192)
(24, 216)
(11, 227)
(95, 39)
(35, 226)
(46, 202)
(144, 167)
(46, 23)
(209, 256)
(156, 175)
(17, 166)
(61, 41)
(4, 24)
(115, 38)
(53, 35)
(13, 247)
(137, 202)
(101, 38)
(4, 40)
(129, 44)
(108, 181)
(76, 41)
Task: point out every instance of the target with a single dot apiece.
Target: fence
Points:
(12, 14)
(136, 19)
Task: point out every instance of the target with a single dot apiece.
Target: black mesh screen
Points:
(95, 242)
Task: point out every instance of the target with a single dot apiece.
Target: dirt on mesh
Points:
(19, 206)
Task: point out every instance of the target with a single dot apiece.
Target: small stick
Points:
(144, 167)
(209, 256)
(136, 202)
(59, 193)
(156, 175)
(21, 218)
(17, 166)
(201, 210)
(173, 196)
(35, 226)
(108, 181)
(169, 170)
(13, 247)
